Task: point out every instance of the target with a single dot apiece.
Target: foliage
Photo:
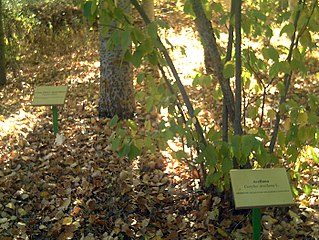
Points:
(268, 67)
(28, 23)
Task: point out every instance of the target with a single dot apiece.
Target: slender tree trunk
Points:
(228, 58)
(2, 49)
(205, 30)
(148, 6)
(116, 75)
(237, 122)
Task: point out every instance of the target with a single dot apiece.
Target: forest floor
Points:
(82, 190)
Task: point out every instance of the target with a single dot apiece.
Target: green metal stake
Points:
(256, 223)
(55, 119)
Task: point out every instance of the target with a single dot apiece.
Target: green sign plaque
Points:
(261, 188)
(49, 95)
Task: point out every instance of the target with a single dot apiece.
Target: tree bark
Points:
(206, 32)
(228, 58)
(238, 116)
(148, 6)
(116, 75)
(3, 79)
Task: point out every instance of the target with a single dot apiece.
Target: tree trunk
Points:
(237, 122)
(148, 6)
(205, 30)
(116, 75)
(2, 48)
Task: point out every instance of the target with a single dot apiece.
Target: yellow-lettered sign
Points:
(49, 95)
(261, 188)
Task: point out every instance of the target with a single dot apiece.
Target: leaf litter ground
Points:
(81, 190)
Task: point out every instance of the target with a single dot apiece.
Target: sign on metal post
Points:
(258, 188)
(261, 187)
(50, 96)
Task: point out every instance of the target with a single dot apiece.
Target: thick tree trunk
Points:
(205, 30)
(116, 76)
(2, 48)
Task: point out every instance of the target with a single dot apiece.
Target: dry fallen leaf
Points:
(67, 221)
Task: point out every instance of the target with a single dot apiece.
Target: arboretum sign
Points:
(50, 96)
(261, 188)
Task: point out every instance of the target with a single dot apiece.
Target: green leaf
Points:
(116, 143)
(114, 121)
(302, 118)
(208, 10)
(209, 180)
(147, 46)
(281, 88)
(134, 152)
(236, 146)
(181, 155)
(188, 8)
(217, 176)
(225, 151)
(148, 125)
(228, 70)
(247, 144)
(197, 111)
(313, 118)
(306, 39)
(288, 29)
(314, 155)
(152, 30)
(87, 9)
(303, 134)
(140, 78)
(253, 112)
(138, 35)
(120, 132)
(94, 7)
(217, 7)
(247, 25)
(132, 125)
(285, 67)
(294, 190)
(148, 142)
(152, 58)
(270, 53)
(227, 165)
(136, 59)
(125, 150)
(150, 104)
(260, 15)
(211, 155)
(274, 70)
(307, 189)
(126, 39)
